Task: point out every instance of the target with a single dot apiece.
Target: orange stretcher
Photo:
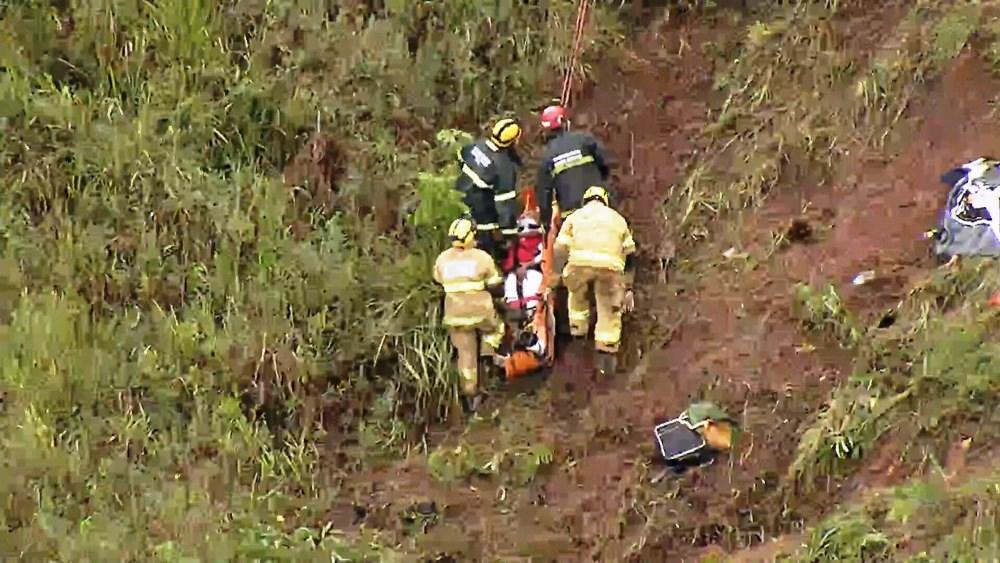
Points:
(543, 324)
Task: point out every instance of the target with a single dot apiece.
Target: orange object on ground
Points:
(718, 435)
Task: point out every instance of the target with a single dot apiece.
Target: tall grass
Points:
(208, 262)
(920, 521)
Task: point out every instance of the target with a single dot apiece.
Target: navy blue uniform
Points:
(572, 163)
(488, 181)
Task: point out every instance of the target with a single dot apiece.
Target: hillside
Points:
(221, 340)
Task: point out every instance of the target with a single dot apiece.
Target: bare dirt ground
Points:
(721, 332)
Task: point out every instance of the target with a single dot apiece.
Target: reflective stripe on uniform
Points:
(596, 259)
(487, 226)
(610, 338)
(505, 196)
(579, 315)
(463, 287)
(476, 179)
(494, 340)
(461, 322)
(511, 231)
(495, 280)
(560, 168)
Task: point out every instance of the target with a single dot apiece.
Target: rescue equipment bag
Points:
(696, 436)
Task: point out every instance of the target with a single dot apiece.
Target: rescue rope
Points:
(581, 20)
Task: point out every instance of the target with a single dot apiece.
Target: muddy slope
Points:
(721, 331)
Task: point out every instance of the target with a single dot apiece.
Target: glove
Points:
(629, 302)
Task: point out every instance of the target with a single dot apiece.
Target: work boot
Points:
(607, 363)
(471, 404)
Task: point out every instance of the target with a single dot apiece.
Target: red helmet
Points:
(553, 117)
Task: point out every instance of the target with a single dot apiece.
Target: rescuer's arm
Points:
(436, 271)
(493, 279)
(628, 248)
(543, 193)
(560, 252)
(601, 159)
(505, 200)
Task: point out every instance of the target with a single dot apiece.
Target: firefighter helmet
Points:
(462, 232)
(596, 192)
(505, 132)
(553, 117)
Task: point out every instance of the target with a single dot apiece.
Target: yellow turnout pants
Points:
(489, 335)
(609, 293)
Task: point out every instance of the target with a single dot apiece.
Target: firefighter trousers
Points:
(609, 294)
(488, 334)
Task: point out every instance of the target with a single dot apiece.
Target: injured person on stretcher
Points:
(523, 268)
(523, 291)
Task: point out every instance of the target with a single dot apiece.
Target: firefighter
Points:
(572, 163)
(488, 181)
(469, 276)
(595, 247)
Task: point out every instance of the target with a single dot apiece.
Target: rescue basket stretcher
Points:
(543, 323)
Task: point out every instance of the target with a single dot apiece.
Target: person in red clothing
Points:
(523, 266)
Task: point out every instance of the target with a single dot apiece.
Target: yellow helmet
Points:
(505, 132)
(596, 192)
(462, 232)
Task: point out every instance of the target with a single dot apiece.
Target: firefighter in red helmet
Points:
(573, 162)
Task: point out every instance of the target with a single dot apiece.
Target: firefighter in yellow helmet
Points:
(595, 247)
(487, 179)
(469, 276)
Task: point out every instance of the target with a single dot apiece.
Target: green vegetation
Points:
(931, 374)
(508, 455)
(217, 223)
(921, 521)
(824, 312)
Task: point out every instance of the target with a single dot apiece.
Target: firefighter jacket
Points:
(488, 181)
(572, 163)
(465, 274)
(596, 236)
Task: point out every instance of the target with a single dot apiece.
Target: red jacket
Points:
(525, 252)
